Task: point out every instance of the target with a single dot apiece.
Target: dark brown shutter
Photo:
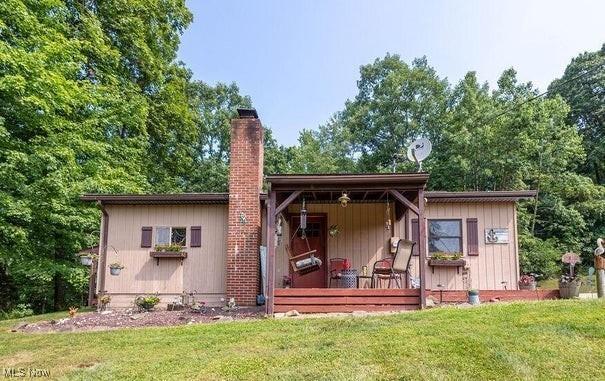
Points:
(415, 235)
(472, 236)
(146, 236)
(196, 236)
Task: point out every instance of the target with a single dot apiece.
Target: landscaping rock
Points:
(430, 302)
(292, 313)
(359, 313)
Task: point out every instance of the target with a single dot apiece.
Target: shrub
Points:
(20, 311)
(146, 303)
(537, 256)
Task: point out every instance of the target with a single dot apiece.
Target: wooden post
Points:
(422, 247)
(269, 300)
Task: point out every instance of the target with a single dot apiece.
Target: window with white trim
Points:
(166, 235)
(445, 236)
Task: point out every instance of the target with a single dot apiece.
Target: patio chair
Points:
(336, 267)
(395, 268)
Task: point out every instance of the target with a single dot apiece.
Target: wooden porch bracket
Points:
(293, 196)
(401, 198)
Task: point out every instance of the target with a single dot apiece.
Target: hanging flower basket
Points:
(115, 268)
(86, 260)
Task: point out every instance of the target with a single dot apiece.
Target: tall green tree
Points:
(583, 88)
(76, 79)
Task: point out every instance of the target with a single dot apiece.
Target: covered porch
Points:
(380, 207)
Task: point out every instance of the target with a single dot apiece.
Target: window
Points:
(170, 236)
(445, 236)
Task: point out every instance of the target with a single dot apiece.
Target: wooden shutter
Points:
(472, 236)
(415, 235)
(146, 236)
(196, 236)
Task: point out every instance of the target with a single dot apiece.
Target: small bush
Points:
(146, 303)
(20, 311)
(537, 256)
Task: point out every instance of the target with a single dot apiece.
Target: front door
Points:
(316, 238)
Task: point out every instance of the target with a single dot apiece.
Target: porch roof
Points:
(357, 181)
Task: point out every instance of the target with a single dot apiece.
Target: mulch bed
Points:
(95, 321)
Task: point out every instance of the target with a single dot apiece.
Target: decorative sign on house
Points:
(496, 235)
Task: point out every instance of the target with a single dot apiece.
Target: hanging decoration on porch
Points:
(303, 216)
(344, 199)
(387, 224)
(333, 230)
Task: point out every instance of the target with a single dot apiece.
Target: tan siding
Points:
(496, 263)
(203, 271)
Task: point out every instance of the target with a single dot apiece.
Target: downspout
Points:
(103, 249)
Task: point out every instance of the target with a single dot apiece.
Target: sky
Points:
(299, 60)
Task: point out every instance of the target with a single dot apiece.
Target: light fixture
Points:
(344, 199)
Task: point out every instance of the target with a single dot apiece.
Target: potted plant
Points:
(104, 302)
(115, 268)
(146, 303)
(473, 296)
(86, 260)
(527, 282)
(569, 284)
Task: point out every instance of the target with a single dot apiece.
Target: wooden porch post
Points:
(422, 247)
(269, 300)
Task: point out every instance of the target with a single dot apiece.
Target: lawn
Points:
(533, 340)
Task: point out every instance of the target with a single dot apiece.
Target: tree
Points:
(583, 88)
(75, 86)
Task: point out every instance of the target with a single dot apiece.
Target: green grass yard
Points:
(536, 340)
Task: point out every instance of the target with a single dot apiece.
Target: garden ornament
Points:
(599, 262)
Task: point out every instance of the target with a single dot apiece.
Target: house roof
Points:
(168, 198)
(480, 196)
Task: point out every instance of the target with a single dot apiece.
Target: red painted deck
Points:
(317, 300)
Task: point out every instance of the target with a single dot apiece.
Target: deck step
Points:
(323, 300)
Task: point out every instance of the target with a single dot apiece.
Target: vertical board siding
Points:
(203, 271)
(495, 265)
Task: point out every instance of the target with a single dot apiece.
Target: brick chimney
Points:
(245, 184)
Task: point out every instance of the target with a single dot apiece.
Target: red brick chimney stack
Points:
(245, 185)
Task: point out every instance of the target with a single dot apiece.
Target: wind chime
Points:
(387, 224)
(303, 219)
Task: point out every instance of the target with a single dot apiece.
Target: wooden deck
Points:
(318, 300)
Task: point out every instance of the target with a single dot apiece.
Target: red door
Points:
(316, 236)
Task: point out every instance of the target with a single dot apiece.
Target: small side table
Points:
(369, 277)
(348, 278)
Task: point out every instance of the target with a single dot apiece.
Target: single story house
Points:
(356, 217)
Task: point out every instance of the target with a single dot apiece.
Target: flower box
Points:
(447, 263)
(168, 255)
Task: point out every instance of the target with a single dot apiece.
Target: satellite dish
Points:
(419, 150)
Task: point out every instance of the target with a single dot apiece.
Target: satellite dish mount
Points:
(419, 150)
